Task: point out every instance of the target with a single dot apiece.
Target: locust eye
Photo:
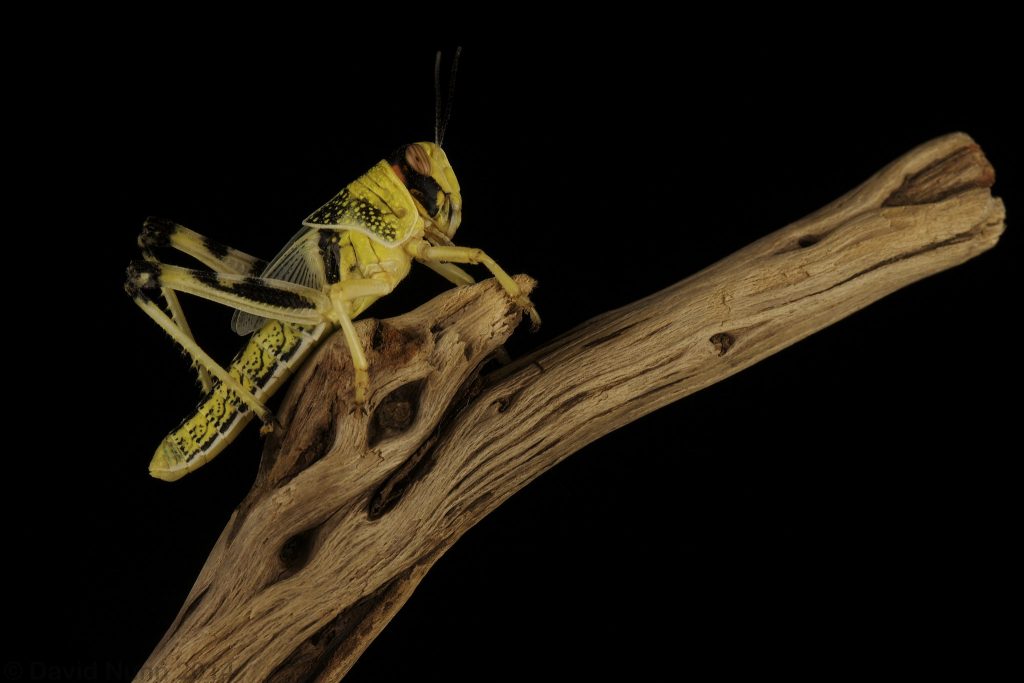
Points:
(417, 159)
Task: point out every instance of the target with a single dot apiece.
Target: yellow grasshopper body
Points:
(350, 252)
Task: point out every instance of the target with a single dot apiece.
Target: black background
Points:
(842, 505)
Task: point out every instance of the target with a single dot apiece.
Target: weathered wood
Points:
(350, 511)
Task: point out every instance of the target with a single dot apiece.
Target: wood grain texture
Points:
(349, 511)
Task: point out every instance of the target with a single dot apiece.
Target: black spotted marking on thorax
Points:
(345, 208)
(330, 252)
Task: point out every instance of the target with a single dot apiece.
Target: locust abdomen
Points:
(263, 365)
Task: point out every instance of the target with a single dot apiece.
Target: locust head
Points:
(424, 169)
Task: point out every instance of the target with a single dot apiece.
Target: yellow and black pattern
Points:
(264, 363)
(350, 252)
(377, 204)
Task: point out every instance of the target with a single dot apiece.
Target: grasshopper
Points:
(350, 252)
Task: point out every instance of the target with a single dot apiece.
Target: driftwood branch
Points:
(349, 511)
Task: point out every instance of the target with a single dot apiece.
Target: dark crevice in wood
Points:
(547, 447)
(235, 525)
(188, 611)
(810, 239)
(313, 656)
(377, 337)
(573, 401)
(505, 402)
(959, 238)
(395, 413)
(242, 512)
(211, 612)
(608, 337)
(394, 487)
(964, 169)
(390, 492)
(722, 342)
(650, 392)
(296, 552)
(324, 435)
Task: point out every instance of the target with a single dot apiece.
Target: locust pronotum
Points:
(350, 252)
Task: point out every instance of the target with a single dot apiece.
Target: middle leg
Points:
(341, 294)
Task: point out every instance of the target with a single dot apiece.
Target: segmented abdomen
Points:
(271, 354)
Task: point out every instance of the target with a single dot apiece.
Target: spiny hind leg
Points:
(341, 294)
(273, 299)
(426, 253)
(158, 233)
(200, 357)
(177, 316)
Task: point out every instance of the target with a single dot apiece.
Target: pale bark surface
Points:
(350, 511)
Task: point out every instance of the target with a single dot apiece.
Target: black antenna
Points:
(437, 99)
(441, 124)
